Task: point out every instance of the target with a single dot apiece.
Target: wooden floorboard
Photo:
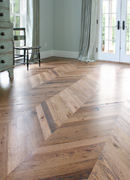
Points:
(56, 119)
(114, 161)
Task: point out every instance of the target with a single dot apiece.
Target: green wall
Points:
(60, 22)
(67, 23)
(46, 24)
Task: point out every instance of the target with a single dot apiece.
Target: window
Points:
(18, 17)
(108, 26)
(18, 13)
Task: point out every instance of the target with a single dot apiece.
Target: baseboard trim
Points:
(66, 54)
(56, 53)
(46, 54)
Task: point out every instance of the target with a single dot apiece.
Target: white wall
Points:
(60, 27)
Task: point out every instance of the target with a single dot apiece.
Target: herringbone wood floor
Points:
(114, 161)
(55, 120)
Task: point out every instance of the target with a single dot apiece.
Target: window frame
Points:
(21, 14)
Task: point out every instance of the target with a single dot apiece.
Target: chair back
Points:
(19, 35)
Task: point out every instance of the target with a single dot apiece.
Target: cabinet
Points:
(6, 39)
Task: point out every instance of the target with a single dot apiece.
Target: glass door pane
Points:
(125, 32)
(109, 25)
(109, 34)
(128, 29)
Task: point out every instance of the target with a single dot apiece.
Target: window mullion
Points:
(12, 6)
(14, 20)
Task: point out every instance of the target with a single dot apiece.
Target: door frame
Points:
(108, 56)
(123, 56)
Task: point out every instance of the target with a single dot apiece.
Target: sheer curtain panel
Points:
(87, 49)
(33, 23)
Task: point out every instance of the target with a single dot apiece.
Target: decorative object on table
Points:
(6, 39)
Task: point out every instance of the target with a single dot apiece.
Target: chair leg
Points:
(39, 57)
(27, 61)
(13, 56)
(24, 55)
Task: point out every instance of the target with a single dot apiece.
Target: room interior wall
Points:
(67, 24)
(46, 27)
(60, 27)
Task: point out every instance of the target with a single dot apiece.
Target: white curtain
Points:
(87, 49)
(29, 22)
(33, 22)
(33, 25)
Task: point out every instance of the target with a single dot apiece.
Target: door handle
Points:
(118, 25)
(123, 25)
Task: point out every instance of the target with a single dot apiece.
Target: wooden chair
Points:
(20, 35)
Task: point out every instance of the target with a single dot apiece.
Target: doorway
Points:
(114, 31)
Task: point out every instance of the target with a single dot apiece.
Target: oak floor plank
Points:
(56, 119)
(114, 161)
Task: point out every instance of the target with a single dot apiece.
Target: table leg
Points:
(27, 61)
(24, 55)
(39, 57)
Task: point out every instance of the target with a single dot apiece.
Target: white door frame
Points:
(109, 56)
(124, 57)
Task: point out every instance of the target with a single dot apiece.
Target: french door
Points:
(114, 30)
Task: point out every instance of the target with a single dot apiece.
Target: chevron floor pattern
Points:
(114, 161)
(55, 120)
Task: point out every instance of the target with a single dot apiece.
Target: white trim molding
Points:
(46, 54)
(56, 53)
(66, 54)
